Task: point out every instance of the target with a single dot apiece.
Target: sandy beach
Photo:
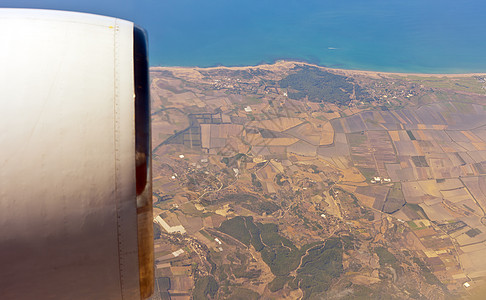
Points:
(285, 65)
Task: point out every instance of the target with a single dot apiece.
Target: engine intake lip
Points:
(143, 163)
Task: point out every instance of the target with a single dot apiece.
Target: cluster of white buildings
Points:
(380, 180)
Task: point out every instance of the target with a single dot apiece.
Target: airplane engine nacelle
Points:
(75, 157)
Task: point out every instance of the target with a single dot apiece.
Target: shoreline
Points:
(292, 63)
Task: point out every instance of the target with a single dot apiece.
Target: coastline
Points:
(292, 63)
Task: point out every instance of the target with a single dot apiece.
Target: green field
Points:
(465, 84)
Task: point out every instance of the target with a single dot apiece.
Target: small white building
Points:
(248, 109)
(178, 252)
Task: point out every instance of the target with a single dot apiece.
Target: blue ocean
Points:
(425, 36)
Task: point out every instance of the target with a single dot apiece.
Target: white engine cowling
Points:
(75, 160)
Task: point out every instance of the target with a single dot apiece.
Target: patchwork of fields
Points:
(264, 182)
(436, 155)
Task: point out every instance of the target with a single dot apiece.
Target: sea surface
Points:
(425, 36)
